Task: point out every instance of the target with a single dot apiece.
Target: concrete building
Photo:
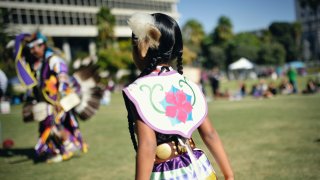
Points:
(310, 21)
(72, 23)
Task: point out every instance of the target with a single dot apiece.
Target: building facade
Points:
(310, 21)
(72, 23)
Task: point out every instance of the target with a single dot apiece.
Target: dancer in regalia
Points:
(53, 97)
(165, 108)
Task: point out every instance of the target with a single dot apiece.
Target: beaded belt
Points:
(169, 150)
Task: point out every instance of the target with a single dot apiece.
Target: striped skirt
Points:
(183, 168)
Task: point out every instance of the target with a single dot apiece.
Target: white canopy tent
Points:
(242, 69)
(242, 63)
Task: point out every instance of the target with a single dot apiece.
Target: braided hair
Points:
(179, 63)
(170, 48)
(131, 123)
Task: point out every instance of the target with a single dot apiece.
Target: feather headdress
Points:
(144, 27)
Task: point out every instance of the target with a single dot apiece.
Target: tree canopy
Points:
(288, 35)
(223, 32)
(278, 44)
(105, 23)
(7, 63)
(193, 35)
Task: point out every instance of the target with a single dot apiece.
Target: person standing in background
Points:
(292, 76)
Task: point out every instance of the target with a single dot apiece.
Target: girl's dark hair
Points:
(170, 48)
(170, 44)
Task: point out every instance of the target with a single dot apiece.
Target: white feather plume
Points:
(140, 23)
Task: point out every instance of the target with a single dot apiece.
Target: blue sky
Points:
(245, 15)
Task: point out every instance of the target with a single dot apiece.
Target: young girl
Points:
(164, 108)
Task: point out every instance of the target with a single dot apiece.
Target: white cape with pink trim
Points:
(168, 103)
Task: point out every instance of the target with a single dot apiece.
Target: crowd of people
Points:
(267, 90)
(262, 89)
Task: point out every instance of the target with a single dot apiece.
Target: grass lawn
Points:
(276, 138)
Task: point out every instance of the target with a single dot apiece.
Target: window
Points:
(41, 19)
(49, 21)
(58, 18)
(67, 18)
(24, 19)
(15, 18)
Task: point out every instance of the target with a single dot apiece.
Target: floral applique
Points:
(177, 105)
(51, 85)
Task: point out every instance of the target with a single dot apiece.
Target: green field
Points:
(277, 138)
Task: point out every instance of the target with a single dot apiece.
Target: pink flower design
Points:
(179, 106)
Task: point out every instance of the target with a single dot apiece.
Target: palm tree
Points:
(223, 32)
(193, 35)
(105, 22)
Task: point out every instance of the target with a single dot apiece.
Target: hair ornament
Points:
(143, 27)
